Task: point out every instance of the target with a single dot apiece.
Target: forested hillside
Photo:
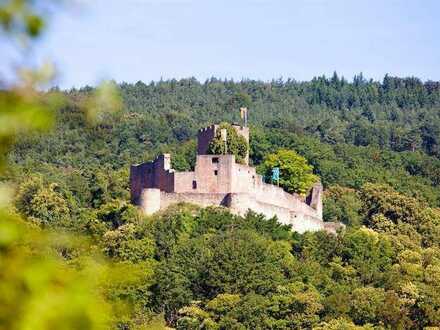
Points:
(352, 133)
(374, 145)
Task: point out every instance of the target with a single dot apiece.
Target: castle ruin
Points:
(219, 180)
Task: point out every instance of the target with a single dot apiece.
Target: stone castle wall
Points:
(219, 180)
(155, 174)
(154, 200)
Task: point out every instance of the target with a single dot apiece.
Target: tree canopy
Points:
(235, 144)
(296, 175)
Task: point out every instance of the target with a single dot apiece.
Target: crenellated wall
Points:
(204, 137)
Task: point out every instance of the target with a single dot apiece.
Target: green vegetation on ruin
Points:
(235, 144)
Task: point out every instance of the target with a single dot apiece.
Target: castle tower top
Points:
(205, 136)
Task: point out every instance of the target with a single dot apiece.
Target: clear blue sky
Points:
(131, 40)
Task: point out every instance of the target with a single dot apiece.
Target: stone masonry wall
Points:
(243, 178)
(154, 200)
(156, 174)
(202, 199)
(213, 173)
(240, 203)
(183, 181)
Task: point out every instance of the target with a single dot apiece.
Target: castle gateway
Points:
(218, 180)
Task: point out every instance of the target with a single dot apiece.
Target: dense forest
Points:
(374, 145)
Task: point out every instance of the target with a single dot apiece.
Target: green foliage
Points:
(368, 253)
(342, 145)
(43, 204)
(388, 211)
(296, 175)
(183, 156)
(171, 228)
(204, 280)
(117, 213)
(342, 205)
(215, 270)
(342, 324)
(127, 287)
(235, 144)
(239, 100)
(39, 290)
(293, 306)
(24, 112)
(366, 305)
(238, 262)
(123, 244)
(49, 205)
(49, 280)
(21, 17)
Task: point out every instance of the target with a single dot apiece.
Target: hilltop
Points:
(373, 145)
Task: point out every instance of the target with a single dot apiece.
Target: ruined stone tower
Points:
(205, 135)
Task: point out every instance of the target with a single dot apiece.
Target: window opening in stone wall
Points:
(194, 184)
(215, 172)
(215, 160)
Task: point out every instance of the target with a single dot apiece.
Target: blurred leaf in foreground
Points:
(38, 290)
(45, 282)
(104, 101)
